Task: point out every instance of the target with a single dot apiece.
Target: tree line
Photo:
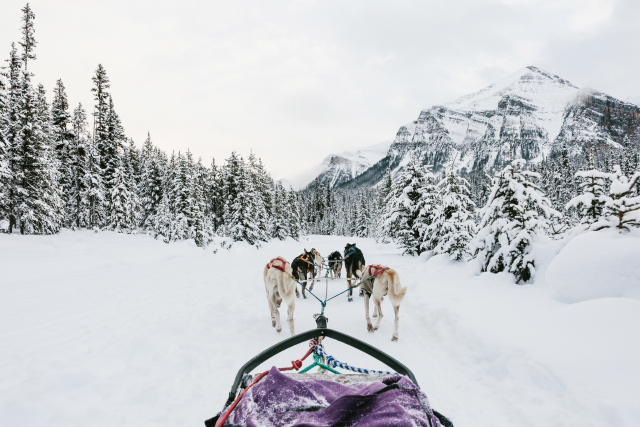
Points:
(492, 217)
(57, 172)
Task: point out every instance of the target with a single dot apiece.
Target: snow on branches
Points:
(515, 213)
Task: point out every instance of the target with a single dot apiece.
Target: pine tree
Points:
(623, 205)
(279, 219)
(591, 203)
(12, 196)
(262, 199)
(38, 207)
(28, 42)
(151, 187)
(293, 215)
(112, 146)
(75, 217)
(515, 212)
(5, 172)
(93, 212)
(453, 224)
(62, 135)
(405, 211)
(122, 218)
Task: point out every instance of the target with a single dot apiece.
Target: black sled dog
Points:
(354, 264)
(304, 267)
(335, 264)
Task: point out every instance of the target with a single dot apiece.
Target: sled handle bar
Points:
(315, 333)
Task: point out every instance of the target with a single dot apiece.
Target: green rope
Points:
(316, 362)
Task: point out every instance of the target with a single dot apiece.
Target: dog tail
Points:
(396, 291)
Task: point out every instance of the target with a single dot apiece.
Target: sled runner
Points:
(363, 397)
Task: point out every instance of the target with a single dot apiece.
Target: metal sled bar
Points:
(314, 333)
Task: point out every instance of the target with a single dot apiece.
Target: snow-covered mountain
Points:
(537, 111)
(337, 169)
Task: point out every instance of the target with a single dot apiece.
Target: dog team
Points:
(281, 280)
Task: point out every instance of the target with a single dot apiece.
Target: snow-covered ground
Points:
(108, 329)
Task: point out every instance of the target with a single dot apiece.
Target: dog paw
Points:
(370, 327)
(279, 329)
(394, 338)
(375, 328)
(350, 298)
(374, 315)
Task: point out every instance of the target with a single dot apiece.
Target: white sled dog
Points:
(280, 286)
(379, 281)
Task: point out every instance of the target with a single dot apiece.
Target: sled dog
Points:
(280, 286)
(335, 264)
(304, 267)
(379, 281)
(354, 264)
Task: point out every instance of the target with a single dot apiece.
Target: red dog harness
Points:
(378, 270)
(281, 267)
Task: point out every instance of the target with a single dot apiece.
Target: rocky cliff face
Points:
(535, 111)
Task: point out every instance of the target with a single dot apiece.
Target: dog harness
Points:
(281, 267)
(373, 272)
(377, 270)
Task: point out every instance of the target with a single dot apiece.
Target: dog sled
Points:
(360, 397)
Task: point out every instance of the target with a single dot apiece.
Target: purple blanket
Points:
(281, 401)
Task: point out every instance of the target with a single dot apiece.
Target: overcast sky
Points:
(297, 80)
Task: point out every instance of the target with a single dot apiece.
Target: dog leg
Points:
(271, 309)
(396, 310)
(350, 293)
(292, 308)
(276, 313)
(377, 301)
(366, 313)
(375, 311)
(297, 291)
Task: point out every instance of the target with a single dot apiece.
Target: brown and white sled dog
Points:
(280, 286)
(378, 282)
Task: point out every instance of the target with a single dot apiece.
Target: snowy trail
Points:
(106, 329)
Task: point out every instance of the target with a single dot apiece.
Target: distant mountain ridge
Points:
(336, 169)
(538, 110)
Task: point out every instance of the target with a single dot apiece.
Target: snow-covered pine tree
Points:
(38, 207)
(213, 194)
(515, 212)
(28, 41)
(239, 211)
(453, 226)
(385, 194)
(623, 205)
(427, 207)
(5, 173)
(112, 146)
(77, 149)
(201, 223)
(261, 184)
(121, 217)
(362, 218)
(279, 221)
(151, 185)
(62, 136)
(14, 104)
(403, 221)
(590, 204)
(293, 215)
(93, 213)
